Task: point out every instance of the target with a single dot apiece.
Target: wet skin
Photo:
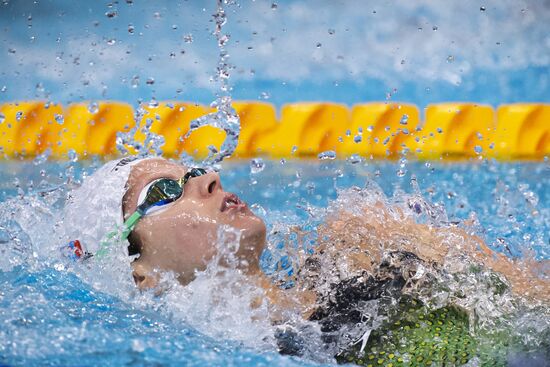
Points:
(182, 236)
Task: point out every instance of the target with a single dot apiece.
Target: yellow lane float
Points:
(29, 128)
(523, 131)
(306, 129)
(91, 128)
(381, 130)
(377, 130)
(454, 130)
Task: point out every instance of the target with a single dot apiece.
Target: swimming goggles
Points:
(161, 192)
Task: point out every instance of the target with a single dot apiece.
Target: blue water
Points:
(53, 317)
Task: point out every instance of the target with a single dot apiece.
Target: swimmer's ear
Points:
(144, 277)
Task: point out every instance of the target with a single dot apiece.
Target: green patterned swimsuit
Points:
(411, 334)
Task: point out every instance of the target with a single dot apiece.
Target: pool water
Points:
(56, 313)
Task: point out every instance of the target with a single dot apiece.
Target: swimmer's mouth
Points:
(232, 201)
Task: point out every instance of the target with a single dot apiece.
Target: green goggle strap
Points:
(128, 226)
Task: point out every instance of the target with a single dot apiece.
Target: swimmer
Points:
(172, 215)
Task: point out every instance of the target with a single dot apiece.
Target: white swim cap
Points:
(95, 209)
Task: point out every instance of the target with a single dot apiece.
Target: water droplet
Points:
(111, 14)
(157, 15)
(138, 346)
(318, 45)
(274, 6)
(355, 158)
(174, 26)
(59, 118)
(450, 59)
(357, 138)
(331, 31)
(188, 38)
(93, 107)
(328, 154)
(404, 119)
(265, 95)
(41, 158)
(150, 81)
(135, 81)
(257, 165)
(131, 29)
(400, 173)
(435, 28)
(18, 115)
(439, 130)
(2, 118)
(403, 62)
(111, 41)
(11, 50)
(153, 103)
(3, 89)
(478, 149)
(482, 8)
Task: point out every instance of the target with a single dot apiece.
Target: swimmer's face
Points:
(181, 237)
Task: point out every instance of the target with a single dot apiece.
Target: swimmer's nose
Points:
(207, 184)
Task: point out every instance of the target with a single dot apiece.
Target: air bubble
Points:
(404, 119)
(2, 118)
(150, 81)
(478, 149)
(357, 138)
(331, 31)
(18, 115)
(131, 29)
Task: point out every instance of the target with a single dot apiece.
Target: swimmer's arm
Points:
(284, 300)
(395, 230)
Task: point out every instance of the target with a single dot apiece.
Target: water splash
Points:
(225, 117)
(151, 146)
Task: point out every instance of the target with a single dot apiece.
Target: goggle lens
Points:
(166, 190)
